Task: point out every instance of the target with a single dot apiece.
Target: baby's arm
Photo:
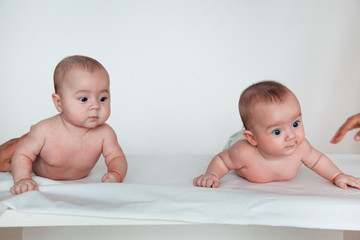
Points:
(114, 158)
(323, 166)
(218, 167)
(22, 160)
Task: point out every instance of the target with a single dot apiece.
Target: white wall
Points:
(177, 67)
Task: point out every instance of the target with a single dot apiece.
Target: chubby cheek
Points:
(78, 113)
(272, 145)
(300, 135)
(105, 113)
(300, 139)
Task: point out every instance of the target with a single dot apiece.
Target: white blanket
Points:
(160, 188)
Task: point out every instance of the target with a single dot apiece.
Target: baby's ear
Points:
(57, 102)
(249, 136)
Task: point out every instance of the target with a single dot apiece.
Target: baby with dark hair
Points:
(274, 144)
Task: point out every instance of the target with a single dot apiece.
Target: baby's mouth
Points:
(291, 146)
(94, 118)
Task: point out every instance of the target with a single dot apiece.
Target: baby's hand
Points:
(111, 177)
(207, 180)
(24, 185)
(344, 180)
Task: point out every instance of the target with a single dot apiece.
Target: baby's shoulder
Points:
(305, 148)
(241, 145)
(42, 129)
(105, 129)
(240, 149)
(46, 124)
(308, 153)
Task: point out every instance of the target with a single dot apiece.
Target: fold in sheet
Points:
(160, 188)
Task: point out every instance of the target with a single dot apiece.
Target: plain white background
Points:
(178, 67)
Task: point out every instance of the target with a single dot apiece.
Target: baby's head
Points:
(271, 115)
(82, 91)
(262, 92)
(74, 62)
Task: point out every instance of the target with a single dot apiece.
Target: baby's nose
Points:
(290, 135)
(95, 105)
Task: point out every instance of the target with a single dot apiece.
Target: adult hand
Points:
(7, 150)
(351, 123)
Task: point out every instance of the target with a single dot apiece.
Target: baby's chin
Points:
(289, 151)
(93, 123)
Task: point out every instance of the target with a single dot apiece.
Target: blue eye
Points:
(103, 99)
(276, 132)
(83, 99)
(296, 124)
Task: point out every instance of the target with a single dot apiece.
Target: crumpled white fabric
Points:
(160, 188)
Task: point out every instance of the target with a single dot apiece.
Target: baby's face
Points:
(85, 97)
(278, 127)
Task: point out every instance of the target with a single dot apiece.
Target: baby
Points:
(275, 146)
(68, 145)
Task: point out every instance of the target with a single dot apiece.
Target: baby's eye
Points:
(103, 99)
(296, 124)
(276, 132)
(83, 99)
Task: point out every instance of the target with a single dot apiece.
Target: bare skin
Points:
(7, 150)
(68, 145)
(274, 149)
(350, 124)
(62, 154)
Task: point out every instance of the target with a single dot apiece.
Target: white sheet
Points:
(160, 188)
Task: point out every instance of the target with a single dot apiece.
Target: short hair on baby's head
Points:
(75, 61)
(261, 92)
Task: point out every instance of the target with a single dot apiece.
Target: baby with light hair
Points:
(69, 144)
